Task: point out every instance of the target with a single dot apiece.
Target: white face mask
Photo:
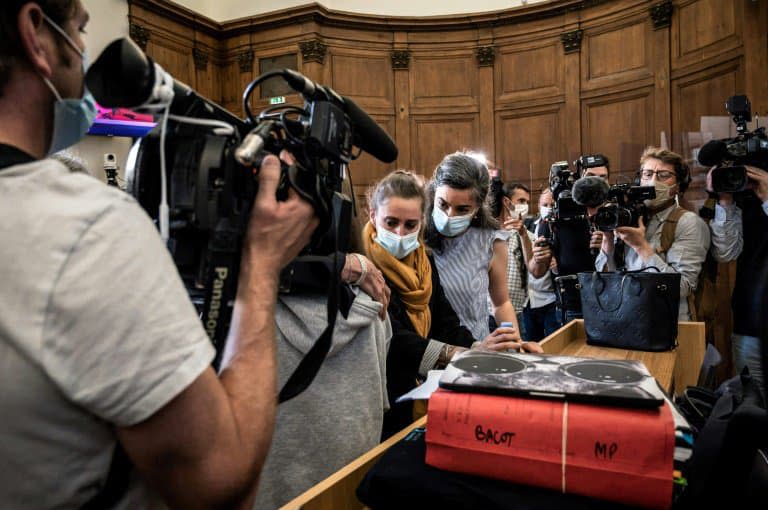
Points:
(521, 210)
(663, 192)
(398, 246)
(450, 226)
(545, 211)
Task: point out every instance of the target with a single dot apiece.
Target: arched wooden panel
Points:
(528, 142)
(617, 54)
(704, 29)
(443, 81)
(529, 72)
(617, 125)
(434, 136)
(366, 77)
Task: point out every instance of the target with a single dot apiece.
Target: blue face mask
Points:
(450, 226)
(72, 118)
(398, 246)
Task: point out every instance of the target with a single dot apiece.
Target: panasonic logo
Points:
(212, 320)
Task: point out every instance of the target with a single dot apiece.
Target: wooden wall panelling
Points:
(485, 60)
(528, 141)
(530, 72)
(619, 125)
(402, 133)
(756, 55)
(706, 29)
(207, 66)
(365, 76)
(571, 124)
(662, 71)
(435, 135)
(620, 52)
(703, 92)
(444, 81)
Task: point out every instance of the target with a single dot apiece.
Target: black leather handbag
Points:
(631, 310)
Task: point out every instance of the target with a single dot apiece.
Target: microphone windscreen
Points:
(590, 191)
(712, 153)
(368, 135)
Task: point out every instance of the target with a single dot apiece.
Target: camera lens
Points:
(729, 179)
(611, 217)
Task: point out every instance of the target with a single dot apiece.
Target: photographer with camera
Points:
(567, 231)
(739, 233)
(99, 341)
(644, 245)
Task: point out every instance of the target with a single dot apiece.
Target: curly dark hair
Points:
(460, 171)
(10, 45)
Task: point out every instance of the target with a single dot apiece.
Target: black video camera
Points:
(589, 161)
(620, 205)
(561, 180)
(730, 155)
(624, 208)
(196, 174)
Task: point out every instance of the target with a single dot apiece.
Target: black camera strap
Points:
(310, 365)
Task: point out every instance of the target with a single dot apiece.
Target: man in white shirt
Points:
(739, 232)
(540, 314)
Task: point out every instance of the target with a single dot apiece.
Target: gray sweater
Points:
(339, 417)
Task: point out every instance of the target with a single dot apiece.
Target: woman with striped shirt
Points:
(469, 250)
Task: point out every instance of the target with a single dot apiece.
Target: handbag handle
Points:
(597, 296)
(621, 287)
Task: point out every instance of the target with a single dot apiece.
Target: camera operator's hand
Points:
(370, 280)
(542, 252)
(608, 244)
(634, 237)
(596, 241)
(723, 198)
(277, 231)
(760, 180)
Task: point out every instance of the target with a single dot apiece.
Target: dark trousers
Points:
(540, 322)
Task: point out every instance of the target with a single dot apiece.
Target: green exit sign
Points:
(277, 100)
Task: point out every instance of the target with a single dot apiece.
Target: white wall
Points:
(109, 20)
(223, 10)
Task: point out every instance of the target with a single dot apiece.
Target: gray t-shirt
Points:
(96, 331)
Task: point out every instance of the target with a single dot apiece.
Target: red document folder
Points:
(611, 453)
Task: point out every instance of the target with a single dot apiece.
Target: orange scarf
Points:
(410, 277)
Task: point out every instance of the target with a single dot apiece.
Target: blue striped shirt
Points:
(463, 266)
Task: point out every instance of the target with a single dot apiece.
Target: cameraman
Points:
(668, 173)
(748, 245)
(98, 339)
(600, 169)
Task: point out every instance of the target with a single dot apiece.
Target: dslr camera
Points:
(730, 155)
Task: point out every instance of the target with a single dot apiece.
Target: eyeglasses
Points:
(661, 175)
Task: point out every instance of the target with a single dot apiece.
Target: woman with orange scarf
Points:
(426, 332)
